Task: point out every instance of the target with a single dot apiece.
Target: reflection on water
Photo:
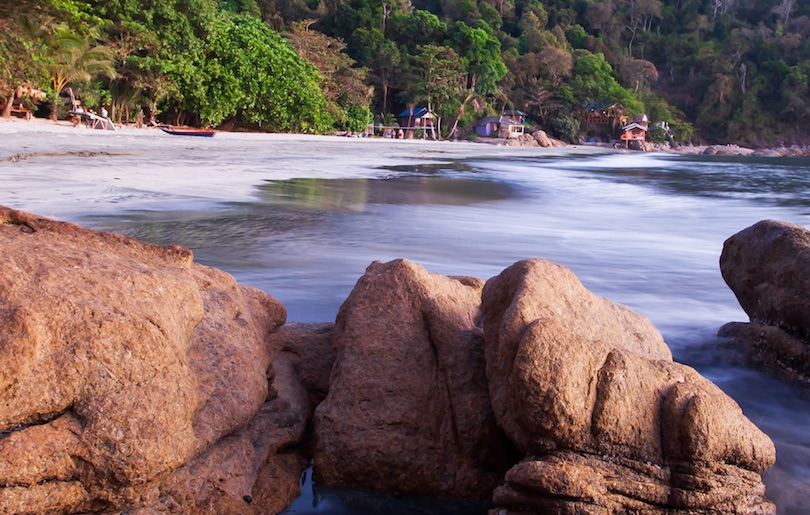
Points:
(358, 194)
(336, 500)
(640, 229)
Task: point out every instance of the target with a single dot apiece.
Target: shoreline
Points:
(21, 126)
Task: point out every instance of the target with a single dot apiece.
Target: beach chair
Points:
(102, 123)
(95, 121)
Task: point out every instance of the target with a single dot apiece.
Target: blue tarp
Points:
(415, 112)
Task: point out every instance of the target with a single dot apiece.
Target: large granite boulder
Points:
(408, 408)
(136, 380)
(133, 377)
(767, 267)
(609, 423)
(544, 140)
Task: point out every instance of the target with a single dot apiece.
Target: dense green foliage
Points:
(717, 70)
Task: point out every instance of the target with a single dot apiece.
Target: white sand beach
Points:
(52, 168)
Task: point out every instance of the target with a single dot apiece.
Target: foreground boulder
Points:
(587, 390)
(408, 408)
(134, 380)
(767, 266)
(133, 377)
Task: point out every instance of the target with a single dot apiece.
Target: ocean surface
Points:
(645, 230)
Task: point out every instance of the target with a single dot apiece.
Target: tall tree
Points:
(481, 52)
(556, 62)
(383, 58)
(343, 83)
(252, 73)
(436, 73)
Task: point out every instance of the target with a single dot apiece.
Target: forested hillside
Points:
(714, 70)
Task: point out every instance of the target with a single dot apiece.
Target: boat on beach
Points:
(177, 131)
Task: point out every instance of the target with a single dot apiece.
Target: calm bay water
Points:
(644, 230)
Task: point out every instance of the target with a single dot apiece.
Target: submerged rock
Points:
(131, 376)
(766, 266)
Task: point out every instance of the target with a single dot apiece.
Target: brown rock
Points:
(585, 386)
(408, 409)
(547, 336)
(542, 139)
(568, 482)
(703, 425)
(122, 363)
(765, 266)
(785, 355)
(310, 349)
(250, 470)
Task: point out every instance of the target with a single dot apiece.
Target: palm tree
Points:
(76, 58)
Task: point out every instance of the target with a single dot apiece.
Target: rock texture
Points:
(134, 380)
(766, 266)
(408, 409)
(587, 389)
(132, 377)
(310, 349)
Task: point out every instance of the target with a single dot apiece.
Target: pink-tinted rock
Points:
(572, 483)
(408, 409)
(310, 349)
(542, 139)
(122, 363)
(250, 470)
(588, 389)
(547, 336)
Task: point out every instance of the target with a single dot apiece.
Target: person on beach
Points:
(77, 118)
(103, 112)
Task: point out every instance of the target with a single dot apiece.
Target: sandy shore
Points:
(44, 136)
(37, 136)
(55, 169)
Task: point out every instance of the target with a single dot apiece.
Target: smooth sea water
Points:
(645, 230)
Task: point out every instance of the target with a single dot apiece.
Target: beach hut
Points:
(515, 115)
(418, 118)
(636, 132)
(498, 127)
(415, 117)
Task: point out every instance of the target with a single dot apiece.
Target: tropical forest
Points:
(702, 70)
